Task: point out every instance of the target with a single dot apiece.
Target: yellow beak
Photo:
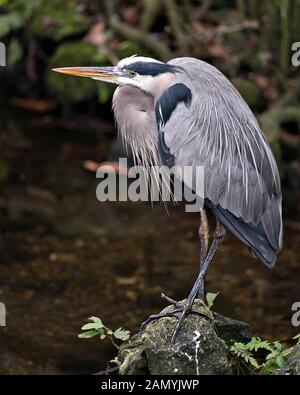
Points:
(108, 74)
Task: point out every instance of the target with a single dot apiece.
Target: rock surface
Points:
(292, 366)
(198, 348)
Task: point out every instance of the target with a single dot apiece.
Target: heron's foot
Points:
(181, 310)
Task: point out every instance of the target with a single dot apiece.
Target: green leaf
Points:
(95, 319)
(96, 324)
(286, 352)
(272, 355)
(88, 334)
(278, 345)
(280, 361)
(121, 334)
(210, 297)
(297, 337)
(92, 325)
(256, 343)
(116, 361)
(254, 362)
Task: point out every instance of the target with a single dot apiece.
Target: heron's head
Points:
(143, 72)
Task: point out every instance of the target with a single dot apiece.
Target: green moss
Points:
(58, 19)
(69, 88)
(197, 349)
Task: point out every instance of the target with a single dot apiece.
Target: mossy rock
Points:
(292, 365)
(69, 88)
(57, 19)
(197, 348)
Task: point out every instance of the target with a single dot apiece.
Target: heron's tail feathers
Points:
(252, 235)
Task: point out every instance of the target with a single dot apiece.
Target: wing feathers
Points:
(221, 133)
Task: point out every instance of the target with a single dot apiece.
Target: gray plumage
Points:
(214, 128)
(187, 113)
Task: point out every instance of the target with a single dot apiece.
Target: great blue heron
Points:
(184, 112)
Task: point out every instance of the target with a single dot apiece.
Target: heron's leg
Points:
(183, 309)
(219, 235)
(204, 238)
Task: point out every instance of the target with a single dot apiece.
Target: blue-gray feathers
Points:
(164, 108)
(168, 101)
(252, 235)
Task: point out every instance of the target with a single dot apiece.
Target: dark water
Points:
(65, 257)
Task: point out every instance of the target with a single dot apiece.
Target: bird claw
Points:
(170, 300)
(180, 312)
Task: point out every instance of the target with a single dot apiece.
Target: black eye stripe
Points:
(149, 68)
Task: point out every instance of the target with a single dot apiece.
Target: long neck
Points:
(155, 86)
(135, 117)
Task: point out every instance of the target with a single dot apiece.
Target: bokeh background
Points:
(63, 255)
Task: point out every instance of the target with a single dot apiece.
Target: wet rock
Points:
(197, 349)
(292, 366)
(232, 330)
(133, 357)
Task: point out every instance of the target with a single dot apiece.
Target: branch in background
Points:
(203, 10)
(151, 9)
(237, 27)
(96, 36)
(284, 110)
(291, 96)
(30, 60)
(136, 35)
(176, 23)
(241, 6)
(285, 36)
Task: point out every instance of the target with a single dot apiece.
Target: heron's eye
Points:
(132, 73)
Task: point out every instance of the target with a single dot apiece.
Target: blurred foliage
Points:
(4, 171)
(17, 14)
(75, 89)
(14, 52)
(276, 354)
(250, 92)
(250, 41)
(226, 33)
(57, 19)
